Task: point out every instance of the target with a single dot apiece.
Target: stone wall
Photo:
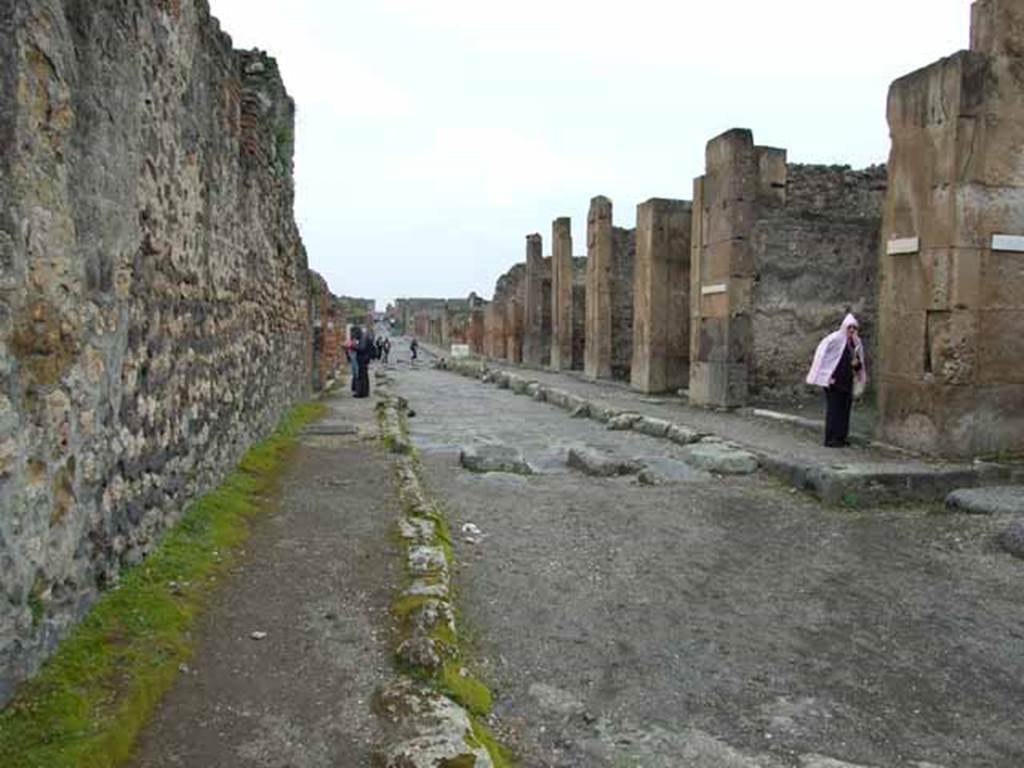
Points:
(661, 297)
(537, 309)
(952, 265)
(579, 311)
(154, 317)
(780, 252)
(327, 314)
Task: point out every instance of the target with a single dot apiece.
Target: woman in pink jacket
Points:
(839, 367)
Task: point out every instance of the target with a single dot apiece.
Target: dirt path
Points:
(713, 622)
(317, 578)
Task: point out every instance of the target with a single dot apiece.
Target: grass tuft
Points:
(467, 691)
(87, 704)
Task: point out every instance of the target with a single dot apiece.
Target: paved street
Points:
(714, 621)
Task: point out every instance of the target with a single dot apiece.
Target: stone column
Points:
(597, 363)
(534, 336)
(661, 297)
(951, 303)
(722, 270)
(561, 294)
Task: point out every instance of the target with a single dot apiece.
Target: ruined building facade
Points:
(951, 348)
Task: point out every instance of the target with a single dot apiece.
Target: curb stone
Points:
(428, 727)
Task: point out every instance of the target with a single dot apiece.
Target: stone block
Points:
(999, 341)
(718, 384)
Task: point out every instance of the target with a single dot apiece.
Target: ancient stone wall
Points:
(154, 317)
(475, 324)
(515, 313)
(952, 263)
(623, 256)
(779, 253)
(661, 297)
(329, 331)
(816, 258)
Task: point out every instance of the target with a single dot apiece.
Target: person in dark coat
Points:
(364, 353)
(839, 368)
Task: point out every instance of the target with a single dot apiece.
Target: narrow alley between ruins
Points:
(685, 617)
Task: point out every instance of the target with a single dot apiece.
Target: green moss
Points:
(87, 704)
(35, 605)
(482, 737)
(467, 691)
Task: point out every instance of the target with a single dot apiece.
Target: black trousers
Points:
(837, 416)
(363, 380)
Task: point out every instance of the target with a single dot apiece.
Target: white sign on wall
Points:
(460, 350)
(1008, 243)
(902, 245)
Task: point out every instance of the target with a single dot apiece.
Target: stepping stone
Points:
(720, 458)
(1007, 499)
(494, 457)
(597, 464)
(653, 427)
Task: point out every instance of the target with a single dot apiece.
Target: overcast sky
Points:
(432, 137)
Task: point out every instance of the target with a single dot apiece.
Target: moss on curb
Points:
(453, 678)
(86, 706)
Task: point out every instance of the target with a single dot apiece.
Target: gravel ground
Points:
(712, 621)
(317, 577)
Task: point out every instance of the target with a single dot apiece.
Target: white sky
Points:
(433, 135)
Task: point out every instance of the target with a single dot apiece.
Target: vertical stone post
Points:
(661, 296)
(951, 301)
(561, 294)
(446, 326)
(597, 362)
(534, 336)
(723, 272)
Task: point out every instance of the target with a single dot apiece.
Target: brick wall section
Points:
(329, 331)
(623, 257)
(537, 308)
(579, 311)
(154, 316)
(952, 306)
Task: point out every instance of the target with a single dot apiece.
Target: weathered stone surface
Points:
(426, 560)
(417, 529)
(721, 459)
(430, 730)
(661, 296)
(988, 501)
(491, 457)
(609, 304)
(561, 294)
(420, 651)
(154, 306)
(1012, 539)
(425, 588)
(952, 314)
(537, 330)
(683, 435)
(649, 425)
(820, 761)
(597, 464)
(623, 422)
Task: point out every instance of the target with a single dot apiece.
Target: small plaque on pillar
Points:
(711, 290)
(903, 245)
(1008, 243)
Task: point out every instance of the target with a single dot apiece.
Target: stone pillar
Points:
(445, 326)
(951, 320)
(597, 362)
(561, 294)
(722, 268)
(661, 297)
(536, 334)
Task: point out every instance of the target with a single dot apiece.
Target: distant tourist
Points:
(350, 354)
(387, 350)
(364, 353)
(839, 367)
(414, 347)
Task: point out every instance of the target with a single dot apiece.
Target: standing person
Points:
(414, 347)
(839, 367)
(350, 353)
(364, 353)
(387, 350)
